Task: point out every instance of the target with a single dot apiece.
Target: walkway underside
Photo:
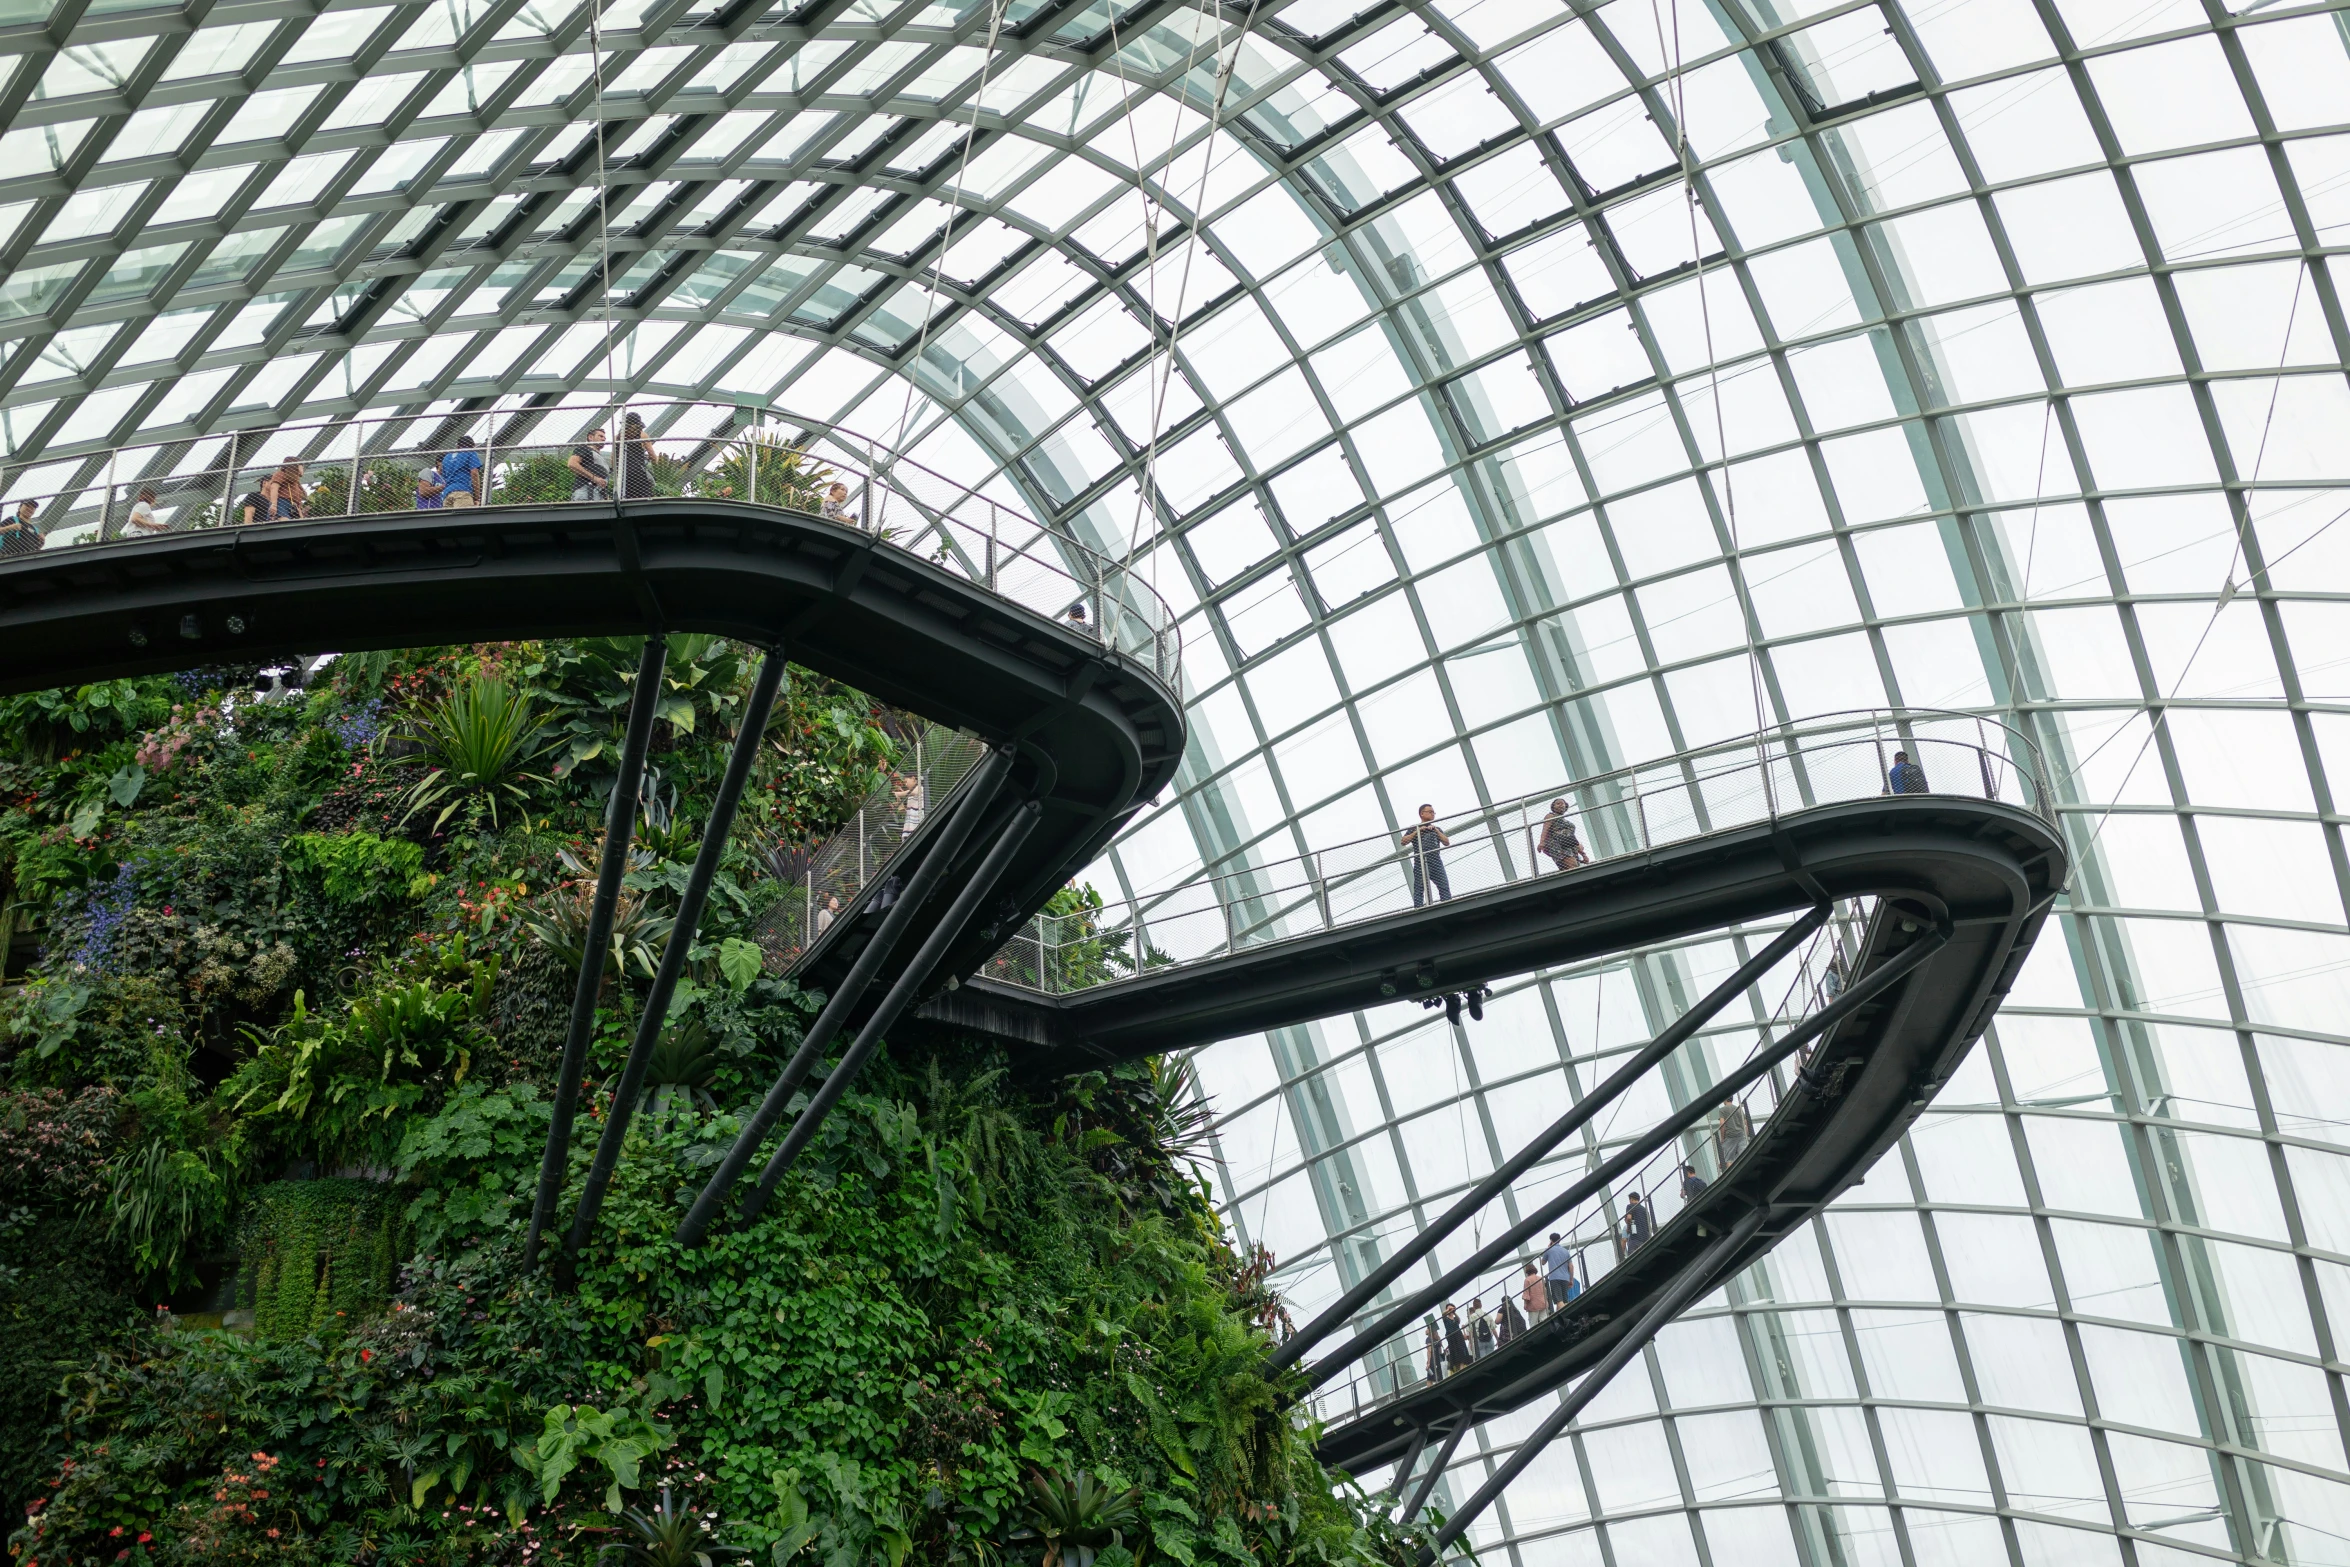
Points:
(1095, 734)
(1862, 1087)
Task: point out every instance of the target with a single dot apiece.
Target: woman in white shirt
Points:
(143, 515)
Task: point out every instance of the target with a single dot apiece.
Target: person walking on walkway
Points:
(1691, 1183)
(1732, 1130)
(1481, 1328)
(1559, 843)
(1456, 1348)
(1905, 776)
(1511, 1323)
(1425, 842)
(636, 460)
(1638, 1226)
(1559, 1268)
(1435, 1352)
(1535, 1295)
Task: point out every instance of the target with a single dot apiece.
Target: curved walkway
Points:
(945, 604)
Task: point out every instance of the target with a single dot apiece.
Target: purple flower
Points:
(110, 903)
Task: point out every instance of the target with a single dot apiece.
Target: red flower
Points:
(145, 1537)
(365, 1354)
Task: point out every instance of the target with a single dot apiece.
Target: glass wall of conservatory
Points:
(1504, 392)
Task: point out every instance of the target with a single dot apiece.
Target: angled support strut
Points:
(619, 832)
(1435, 1234)
(1694, 1281)
(845, 996)
(1427, 1486)
(1855, 996)
(900, 995)
(747, 741)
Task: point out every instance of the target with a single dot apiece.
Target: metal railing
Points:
(1597, 1237)
(823, 884)
(415, 463)
(1847, 756)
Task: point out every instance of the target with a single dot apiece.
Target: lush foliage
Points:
(285, 1065)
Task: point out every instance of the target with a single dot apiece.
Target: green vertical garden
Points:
(286, 985)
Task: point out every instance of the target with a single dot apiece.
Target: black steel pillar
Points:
(619, 832)
(1428, 1482)
(1858, 995)
(845, 996)
(1665, 1043)
(747, 741)
(895, 1001)
(1694, 1280)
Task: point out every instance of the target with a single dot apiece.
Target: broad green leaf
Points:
(86, 818)
(739, 961)
(126, 784)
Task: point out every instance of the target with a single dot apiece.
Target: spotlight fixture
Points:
(236, 625)
(138, 636)
(1452, 1010)
(191, 628)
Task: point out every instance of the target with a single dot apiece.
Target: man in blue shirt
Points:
(1559, 1274)
(461, 475)
(1905, 776)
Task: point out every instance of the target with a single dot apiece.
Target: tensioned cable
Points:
(604, 217)
(1166, 369)
(2227, 592)
(1676, 82)
(946, 239)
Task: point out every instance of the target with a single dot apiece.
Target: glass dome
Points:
(1503, 393)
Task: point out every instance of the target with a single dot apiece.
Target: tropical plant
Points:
(539, 479)
(670, 1535)
(1078, 1517)
(558, 919)
(681, 1068)
(787, 476)
(160, 1205)
(478, 743)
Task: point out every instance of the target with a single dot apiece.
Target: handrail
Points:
(1842, 756)
(414, 463)
(1400, 1366)
(935, 763)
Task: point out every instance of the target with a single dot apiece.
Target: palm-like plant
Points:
(478, 743)
(1078, 1517)
(683, 1063)
(668, 1536)
(558, 920)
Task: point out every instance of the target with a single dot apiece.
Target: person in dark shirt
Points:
(590, 479)
(1905, 776)
(1512, 1324)
(636, 460)
(1691, 1182)
(1638, 1225)
(1456, 1348)
(21, 534)
(1481, 1328)
(1435, 1353)
(1424, 842)
(253, 508)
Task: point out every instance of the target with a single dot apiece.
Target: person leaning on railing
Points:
(591, 480)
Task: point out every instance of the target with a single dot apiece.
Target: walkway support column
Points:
(619, 834)
(1427, 1486)
(1665, 1043)
(851, 990)
(747, 741)
(894, 1003)
(1859, 995)
(1693, 1282)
